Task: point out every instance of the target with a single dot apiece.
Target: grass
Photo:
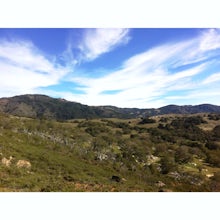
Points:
(64, 156)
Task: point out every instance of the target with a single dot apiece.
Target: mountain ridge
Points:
(43, 106)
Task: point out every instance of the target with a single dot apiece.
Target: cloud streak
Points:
(178, 72)
(147, 78)
(96, 42)
(23, 68)
(92, 43)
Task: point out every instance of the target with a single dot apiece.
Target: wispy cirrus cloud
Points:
(23, 68)
(184, 72)
(152, 77)
(204, 47)
(26, 69)
(214, 78)
(210, 40)
(96, 42)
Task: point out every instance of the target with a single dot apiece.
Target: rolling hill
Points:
(42, 106)
(107, 149)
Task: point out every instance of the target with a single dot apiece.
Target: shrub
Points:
(182, 155)
(211, 145)
(147, 121)
(167, 164)
(216, 131)
(213, 157)
(96, 129)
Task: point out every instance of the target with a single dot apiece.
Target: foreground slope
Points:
(164, 153)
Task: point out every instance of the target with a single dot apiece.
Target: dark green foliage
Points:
(194, 144)
(164, 120)
(182, 155)
(187, 122)
(197, 152)
(215, 183)
(216, 131)
(147, 121)
(99, 144)
(167, 164)
(212, 145)
(213, 157)
(96, 130)
(161, 149)
(214, 117)
(187, 127)
(161, 135)
(161, 126)
(194, 120)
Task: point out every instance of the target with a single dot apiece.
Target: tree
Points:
(147, 121)
(182, 155)
(213, 157)
(167, 164)
(216, 131)
(212, 145)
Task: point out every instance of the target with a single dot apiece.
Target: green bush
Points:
(167, 164)
(213, 157)
(216, 131)
(182, 155)
(212, 145)
(147, 121)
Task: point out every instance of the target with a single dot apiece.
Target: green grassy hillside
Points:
(163, 153)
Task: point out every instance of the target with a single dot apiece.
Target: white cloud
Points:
(147, 77)
(139, 89)
(212, 78)
(25, 55)
(210, 40)
(102, 40)
(23, 68)
(200, 48)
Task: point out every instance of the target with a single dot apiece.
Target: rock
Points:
(7, 162)
(23, 164)
(160, 184)
(209, 175)
(152, 159)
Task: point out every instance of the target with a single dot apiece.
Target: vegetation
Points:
(45, 107)
(161, 153)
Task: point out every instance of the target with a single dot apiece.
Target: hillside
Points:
(41, 106)
(49, 144)
(163, 153)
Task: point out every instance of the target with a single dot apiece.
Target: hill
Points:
(49, 144)
(189, 109)
(166, 153)
(42, 106)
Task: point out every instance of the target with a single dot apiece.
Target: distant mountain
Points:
(42, 106)
(189, 109)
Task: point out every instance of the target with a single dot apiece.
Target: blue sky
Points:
(141, 68)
